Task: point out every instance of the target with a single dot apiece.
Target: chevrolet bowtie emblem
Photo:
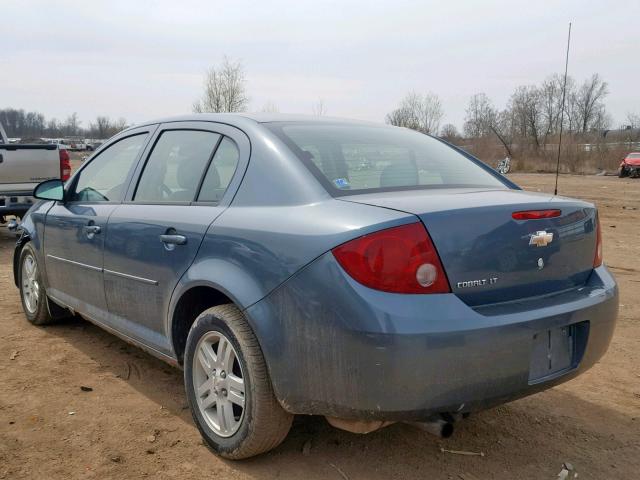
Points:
(541, 238)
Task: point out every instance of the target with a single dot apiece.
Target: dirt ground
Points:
(135, 422)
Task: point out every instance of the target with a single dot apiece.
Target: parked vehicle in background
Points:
(92, 145)
(22, 167)
(308, 265)
(61, 143)
(630, 166)
(77, 144)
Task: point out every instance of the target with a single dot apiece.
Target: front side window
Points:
(220, 172)
(360, 159)
(176, 165)
(103, 180)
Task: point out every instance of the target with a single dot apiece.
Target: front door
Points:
(75, 229)
(154, 236)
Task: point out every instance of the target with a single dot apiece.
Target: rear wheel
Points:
(32, 293)
(228, 386)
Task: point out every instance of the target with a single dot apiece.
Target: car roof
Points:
(256, 117)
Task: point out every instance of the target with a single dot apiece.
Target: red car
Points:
(630, 166)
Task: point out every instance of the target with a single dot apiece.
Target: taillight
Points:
(597, 259)
(535, 214)
(399, 259)
(65, 165)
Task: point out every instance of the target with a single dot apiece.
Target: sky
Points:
(146, 59)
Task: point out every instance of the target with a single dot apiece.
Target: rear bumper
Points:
(335, 347)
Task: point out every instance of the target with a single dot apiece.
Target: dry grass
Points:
(574, 159)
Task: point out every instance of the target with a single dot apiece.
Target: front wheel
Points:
(228, 386)
(32, 292)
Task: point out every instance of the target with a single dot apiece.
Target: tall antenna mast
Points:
(564, 91)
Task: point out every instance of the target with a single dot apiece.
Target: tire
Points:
(261, 424)
(35, 306)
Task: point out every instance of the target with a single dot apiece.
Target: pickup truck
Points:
(22, 167)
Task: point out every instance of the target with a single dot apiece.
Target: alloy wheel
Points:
(219, 384)
(30, 284)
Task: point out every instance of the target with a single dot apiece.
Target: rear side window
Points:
(220, 171)
(176, 165)
(103, 180)
(360, 159)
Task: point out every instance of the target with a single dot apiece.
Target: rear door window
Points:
(174, 169)
(220, 172)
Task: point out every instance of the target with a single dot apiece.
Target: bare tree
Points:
(449, 132)
(524, 105)
(633, 127)
(270, 107)
(633, 120)
(224, 89)
(101, 128)
(401, 117)
(431, 113)
(589, 102)
(550, 98)
(53, 127)
(418, 112)
(407, 114)
(71, 125)
(480, 116)
(319, 108)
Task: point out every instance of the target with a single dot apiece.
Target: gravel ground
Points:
(135, 422)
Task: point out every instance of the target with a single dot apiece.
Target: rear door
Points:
(187, 179)
(75, 229)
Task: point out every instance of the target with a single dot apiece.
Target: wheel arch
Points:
(22, 241)
(185, 307)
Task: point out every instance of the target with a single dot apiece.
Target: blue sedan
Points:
(298, 265)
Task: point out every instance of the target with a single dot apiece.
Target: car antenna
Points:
(564, 90)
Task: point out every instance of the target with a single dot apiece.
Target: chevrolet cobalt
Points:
(297, 265)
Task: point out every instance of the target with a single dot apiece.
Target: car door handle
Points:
(92, 229)
(173, 239)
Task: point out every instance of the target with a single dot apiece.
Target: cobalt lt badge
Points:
(540, 263)
(541, 238)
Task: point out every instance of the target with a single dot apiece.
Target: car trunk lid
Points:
(488, 255)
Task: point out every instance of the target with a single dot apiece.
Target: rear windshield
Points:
(351, 159)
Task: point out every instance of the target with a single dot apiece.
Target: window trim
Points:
(234, 133)
(206, 171)
(148, 157)
(72, 183)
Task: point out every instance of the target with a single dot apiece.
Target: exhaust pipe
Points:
(438, 425)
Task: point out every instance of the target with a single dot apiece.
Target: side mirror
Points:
(50, 190)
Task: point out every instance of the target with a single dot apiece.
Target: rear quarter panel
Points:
(249, 251)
